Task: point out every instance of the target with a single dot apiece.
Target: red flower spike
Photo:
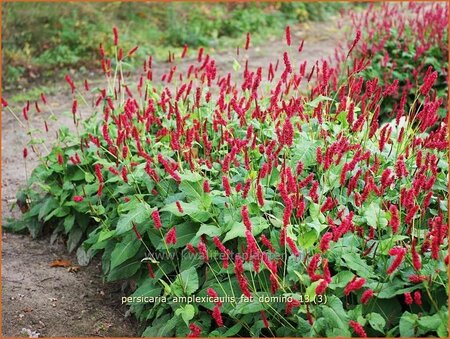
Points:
(359, 330)
(191, 248)
(226, 186)
(195, 331)
(246, 218)
(395, 221)
(217, 316)
(259, 195)
(100, 190)
(290, 306)
(132, 51)
(399, 254)
(328, 204)
(417, 279)
(264, 319)
(366, 296)
(183, 53)
(288, 35)
(312, 267)
(180, 209)
(354, 285)
(156, 219)
(138, 235)
(325, 241)
(239, 271)
(171, 236)
(150, 271)
(247, 41)
(266, 242)
(213, 294)
(70, 82)
(78, 198)
(287, 134)
(206, 187)
(408, 298)
(428, 83)
(203, 251)
(124, 174)
(417, 298)
(116, 36)
(292, 246)
(320, 289)
(417, 263)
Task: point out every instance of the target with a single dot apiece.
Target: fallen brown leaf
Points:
(61, 263)
(73, 269)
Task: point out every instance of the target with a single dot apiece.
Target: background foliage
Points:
(67, 36)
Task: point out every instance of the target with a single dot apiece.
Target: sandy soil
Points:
(53, 301)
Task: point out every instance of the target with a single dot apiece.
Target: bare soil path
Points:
(53, 301)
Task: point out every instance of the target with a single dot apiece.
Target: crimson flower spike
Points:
(357, 38)
(185, 48)
(247, 41)
(300, 48)
(116, 36)
(70, 82)
(288, 35)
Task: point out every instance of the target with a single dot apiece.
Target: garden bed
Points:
(290, 199)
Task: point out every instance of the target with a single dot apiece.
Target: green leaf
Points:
(185, 232)
(308, 239)
(138, 215)
(392, 288)
(386, 244)
(375, 216)
(246, 307)
(210, 230)
(124, 250)
(186, 283)
(305, 151)
(69, 222)
(236, 65)
(341, 279)
(83, 256)
(376, 321)
(408, 323)
(187, 312)
(89, 177)
(430, 323)
(194, 191)
(316, 226)
(232, 331)
(162, 327)
(190, 176)
(335, 315)
(237, 230)
(354, 262)
(192, 209)
(147, 289)
(74, 239)
(315, 103)
(47, 207)
(124, 271)
(311, 290)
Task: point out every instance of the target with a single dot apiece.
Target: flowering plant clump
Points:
(405, 48)
(243, 205)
